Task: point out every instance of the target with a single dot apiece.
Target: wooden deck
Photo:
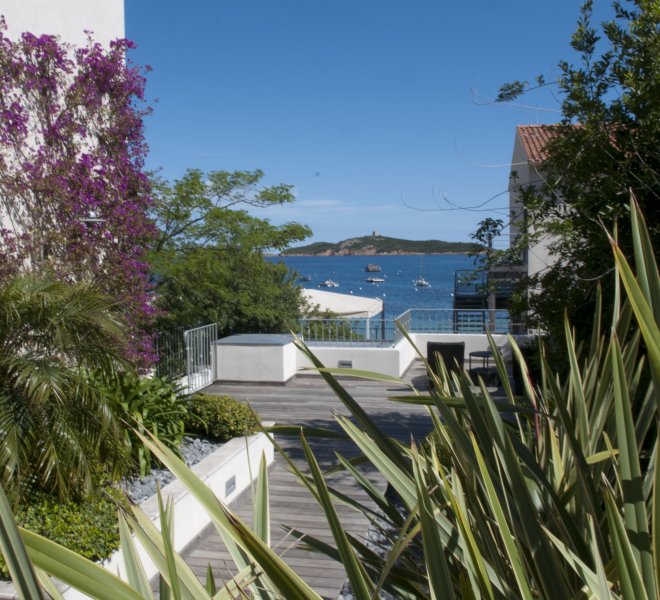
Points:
(308, 401)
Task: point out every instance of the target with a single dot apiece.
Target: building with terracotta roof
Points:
(529, 154)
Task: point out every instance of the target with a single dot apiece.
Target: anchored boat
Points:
(329, 283)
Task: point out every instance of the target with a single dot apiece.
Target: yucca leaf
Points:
(407, 532)
(261, 504)
(597, 325)
(164, 589)
(169, 564)
(210, 586)
(601, 571)
(235, 533)
(166, 527)
(399, 479)
(476, 566)
(634, 507)
(644, 314)
(19, 565)
(440, 583)
(655, 514)
(645, 263)
(575, 380)
(585, 573)
(506, 535)
(74, 570)
(49, 586)
(587, 487)
(362, 587)
(402, 582)
(135, 574)
(631, 583)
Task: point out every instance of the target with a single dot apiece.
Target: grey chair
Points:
(452, 355)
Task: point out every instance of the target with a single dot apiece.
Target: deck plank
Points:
(309, 401)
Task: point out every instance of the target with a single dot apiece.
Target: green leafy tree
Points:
(606, 146)
(57, 432)
(208, 258)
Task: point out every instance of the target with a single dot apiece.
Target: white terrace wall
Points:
(365, 358)
(256, 358)
(396, 359)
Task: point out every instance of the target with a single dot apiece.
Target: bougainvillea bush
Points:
(73, 194)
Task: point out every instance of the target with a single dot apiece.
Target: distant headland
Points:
(379, 245)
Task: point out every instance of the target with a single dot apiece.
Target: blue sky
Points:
(375, 110)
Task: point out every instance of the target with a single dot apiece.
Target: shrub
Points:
(220, 417)
(89, 527)
(147, 404)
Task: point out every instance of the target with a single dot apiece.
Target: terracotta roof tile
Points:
(535, 138)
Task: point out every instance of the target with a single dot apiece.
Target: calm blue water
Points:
(398, 291)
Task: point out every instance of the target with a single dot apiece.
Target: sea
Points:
(398, 292)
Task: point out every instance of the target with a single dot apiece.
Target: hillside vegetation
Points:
(371, 245)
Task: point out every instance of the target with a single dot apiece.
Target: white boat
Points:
(375, 280)
(420, 281)
(329, 283)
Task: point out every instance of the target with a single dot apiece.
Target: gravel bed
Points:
(192, 449)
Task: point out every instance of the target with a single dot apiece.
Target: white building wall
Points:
(538, 258)
(67, 18)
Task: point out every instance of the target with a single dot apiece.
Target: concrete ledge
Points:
(226, 472)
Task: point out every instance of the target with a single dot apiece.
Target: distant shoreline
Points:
(326, 254)
(378, 245)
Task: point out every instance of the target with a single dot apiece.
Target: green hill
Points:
(374, 245)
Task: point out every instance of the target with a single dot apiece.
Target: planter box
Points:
(225, 471)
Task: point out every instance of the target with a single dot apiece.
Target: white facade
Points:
(525, 172)
(67, 18)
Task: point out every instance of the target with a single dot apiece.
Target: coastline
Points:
(342, 253)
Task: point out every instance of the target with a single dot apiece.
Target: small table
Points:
(486, 372)
(484, 355)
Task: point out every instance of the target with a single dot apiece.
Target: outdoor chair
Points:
(452, 355)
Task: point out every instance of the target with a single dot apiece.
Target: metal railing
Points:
(170, 348)
(469, 283)
(200, 364)
(445, 320)
(417, 320)
(347, 331)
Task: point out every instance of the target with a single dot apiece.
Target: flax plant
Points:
(551, 494)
